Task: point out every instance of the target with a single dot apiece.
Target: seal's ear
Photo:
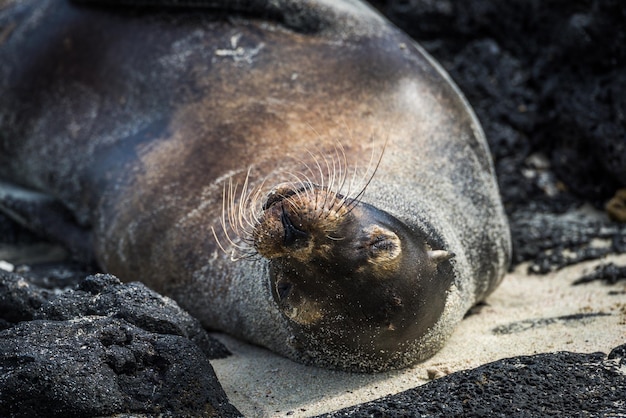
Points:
(383, 245)
(438, 256)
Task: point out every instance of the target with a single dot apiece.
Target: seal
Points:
(300, 175)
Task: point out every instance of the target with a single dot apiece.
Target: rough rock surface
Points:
(98, 366)
(546, 79)
(105, 295)
(19, 300)
(608, 273)
(102, 349)
(555, 384)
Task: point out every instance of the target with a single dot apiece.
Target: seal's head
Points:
(356, 283)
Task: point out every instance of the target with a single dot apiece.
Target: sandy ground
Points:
(262, 384)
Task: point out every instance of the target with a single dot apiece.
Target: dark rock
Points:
(619, 353)
(19, 300)
(99, 366)
(609, 273)
(552, 241)
(528, 324)
(105, 295)
(545, 78)
(557, 384)
(105, 348)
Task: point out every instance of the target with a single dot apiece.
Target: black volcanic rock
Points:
(105, 295)
(105, 348)
(558, 384)
(547, 80)
(99, 366)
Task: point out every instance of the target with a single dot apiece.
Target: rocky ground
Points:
(547, 79)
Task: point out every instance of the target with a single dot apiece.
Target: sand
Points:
(529, 308)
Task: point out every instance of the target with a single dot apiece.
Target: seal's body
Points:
(136, 119)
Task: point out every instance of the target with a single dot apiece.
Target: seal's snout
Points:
(296, 221)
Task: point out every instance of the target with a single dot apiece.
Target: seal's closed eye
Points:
(382, 244)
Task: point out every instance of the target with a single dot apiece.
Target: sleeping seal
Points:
(300, 175)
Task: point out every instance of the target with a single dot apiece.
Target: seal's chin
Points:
(351, 279)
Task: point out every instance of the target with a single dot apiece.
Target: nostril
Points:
(283, 289)
(292, 234)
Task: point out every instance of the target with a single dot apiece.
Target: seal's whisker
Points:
(231, 206)
(343, 159)
(351, 186)
(321, 178)
(339, 158)
(255, 205)
(308, 169)
(330, 195)
(251, 207)
(252, 256)
(304, 181)
(351, 140)
(305, 185)
(239, 218)
(357, 199)
(337, 177)
(226, 222)
(336, 173)
(324, 176)
(315, 157)
(346, 171)
(223, 219)
(236, 211)
(334, 238)
(242, 199)
(330, 181)
(217, 241)
(311, 172)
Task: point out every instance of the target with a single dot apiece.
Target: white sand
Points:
(262, 384)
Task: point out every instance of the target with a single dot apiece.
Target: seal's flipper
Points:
(46, 217)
